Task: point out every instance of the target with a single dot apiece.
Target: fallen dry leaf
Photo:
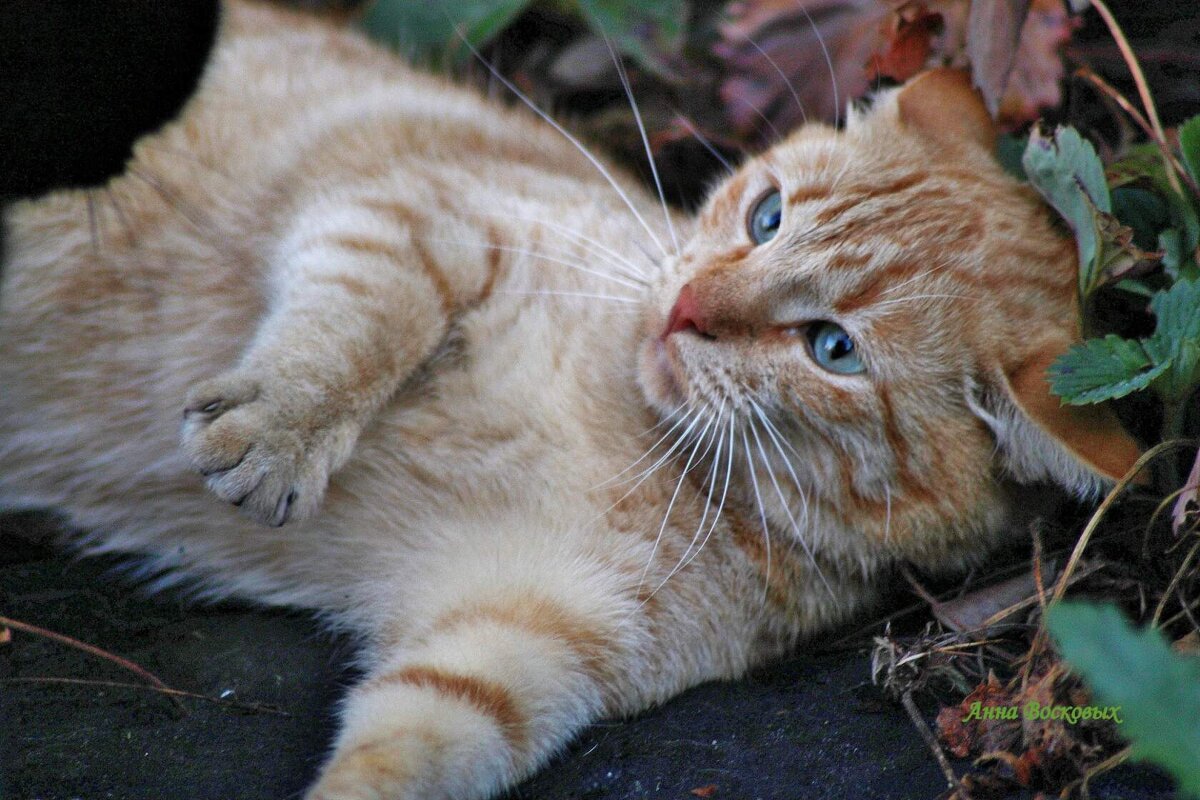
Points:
(971, 611)
(908, 46)
(705, 791)
(993, 36)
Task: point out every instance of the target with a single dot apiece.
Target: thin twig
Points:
(173, 693)
(1162, 602)
(124, 663)
(919, 722)
(1121, 100)
(1143, 88)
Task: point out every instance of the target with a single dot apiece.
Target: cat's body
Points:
(347, 271)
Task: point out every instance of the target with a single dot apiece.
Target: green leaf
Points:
(648, 30)
(1143, 211)
(1103, 369)
(1177, 338)
(1170, 242)
(1158, 691)
(1065, 169)
(1189, 146)
(1009, 151)
(430, 32)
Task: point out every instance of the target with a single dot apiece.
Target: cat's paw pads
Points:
(253, 450)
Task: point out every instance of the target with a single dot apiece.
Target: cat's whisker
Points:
(703, 140)
(637, 117)
(798, 533)
(623, 265)
(687, 467)
(652, 447)
(780, 442)
(686, 559)
(914, 297)
(538, 254)
(586, 295)
(787, 81)
(776, 136)
(681, 441)
(837, 102)
(583, 149)
(762, 513)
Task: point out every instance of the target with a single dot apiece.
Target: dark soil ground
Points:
(809, 728)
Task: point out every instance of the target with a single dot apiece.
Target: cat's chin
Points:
(659, 374)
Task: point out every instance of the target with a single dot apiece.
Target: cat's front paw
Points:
(259, 446)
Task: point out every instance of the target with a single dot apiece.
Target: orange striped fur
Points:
(420, 334)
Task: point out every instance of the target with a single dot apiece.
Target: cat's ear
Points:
(1039, 438)
(943, 104)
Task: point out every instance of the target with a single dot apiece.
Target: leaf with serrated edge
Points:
(1177, 337)
(1158, 691)
(1065, 169)
(1103, 369)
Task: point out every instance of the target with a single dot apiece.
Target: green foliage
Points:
(1067, 172)
(1158, 691)
(1117, 216)
(641, 29)
(1169, 361)
(1103, 369)
(433, 32)
(429, 32)
(1189, 146)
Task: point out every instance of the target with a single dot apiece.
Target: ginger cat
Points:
(444, 397)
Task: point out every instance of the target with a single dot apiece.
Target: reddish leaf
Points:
(908, 46)
(705, 791)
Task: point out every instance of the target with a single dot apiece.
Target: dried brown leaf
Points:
(705, 791)
(988, 605)
(993, 36)
(908, 46)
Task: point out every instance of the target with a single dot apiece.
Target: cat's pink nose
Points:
(686, 314)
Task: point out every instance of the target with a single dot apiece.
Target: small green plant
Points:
(1157, 690)
(646, 30)
(1146, 200)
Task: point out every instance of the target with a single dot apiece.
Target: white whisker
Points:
(588, 295)
(837, 103)
(608, 255)
(652, 447)
(799, 535)
(762, 513)
(595, 162)
(914, 297)
(702, 139)
(637, 117)
(544, 257)
(787, 82)
(685, 559)
(671, 505)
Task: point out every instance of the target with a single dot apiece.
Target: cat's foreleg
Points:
(484, 698)
(355, 304)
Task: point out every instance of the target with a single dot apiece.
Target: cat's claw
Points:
(268, 458)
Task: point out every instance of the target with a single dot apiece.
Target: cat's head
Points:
(861, 323)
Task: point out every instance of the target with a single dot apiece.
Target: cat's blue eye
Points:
(765, 216)
(833, 349)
